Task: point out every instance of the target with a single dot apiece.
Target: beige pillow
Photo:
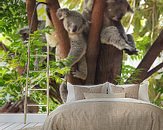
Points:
(101, 95)
(76, 92)
(131, 90)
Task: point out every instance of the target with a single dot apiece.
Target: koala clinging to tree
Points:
(113, 32)
(75, 24)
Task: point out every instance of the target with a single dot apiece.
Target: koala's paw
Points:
(78, 74)
(131, 52)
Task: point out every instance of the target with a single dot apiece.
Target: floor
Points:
(17, 126)
(15, 121)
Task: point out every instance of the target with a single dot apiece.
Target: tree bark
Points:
(94, 39)
(109, 64)
(148, 60)
(30, 7)
(64, 43)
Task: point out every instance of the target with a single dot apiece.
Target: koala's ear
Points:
(62, 13)
(129, 9)
(59, 14)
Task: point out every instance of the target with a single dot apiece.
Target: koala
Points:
(110, 35)
(113, 32)
(75, 24)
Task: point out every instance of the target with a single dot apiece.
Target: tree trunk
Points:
(109, 64)
(94, 40)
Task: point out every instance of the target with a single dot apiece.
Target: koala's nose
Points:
(74, 29)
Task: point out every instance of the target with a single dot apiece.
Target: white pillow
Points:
(76, 92)
(101, 95)
(70, 95)
(131, 90)
(143, 91)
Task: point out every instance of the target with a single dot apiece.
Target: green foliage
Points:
(146, 23)
(127, 70)
(72, 4)
(14, 60)
(13, 83)
(156, 89)
(12, 17)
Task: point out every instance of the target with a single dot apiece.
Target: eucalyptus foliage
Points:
(13, 60)
(156, 89)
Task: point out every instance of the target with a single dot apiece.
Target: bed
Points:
(105, 114)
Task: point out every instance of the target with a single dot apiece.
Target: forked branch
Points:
(148, 60)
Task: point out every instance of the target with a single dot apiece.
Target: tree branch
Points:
(63, 39)
(155, 69)
(93, 39)
(30, 6)
(148, 60)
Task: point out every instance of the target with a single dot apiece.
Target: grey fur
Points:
(111, 36)
(113, 32)
(75, 24)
